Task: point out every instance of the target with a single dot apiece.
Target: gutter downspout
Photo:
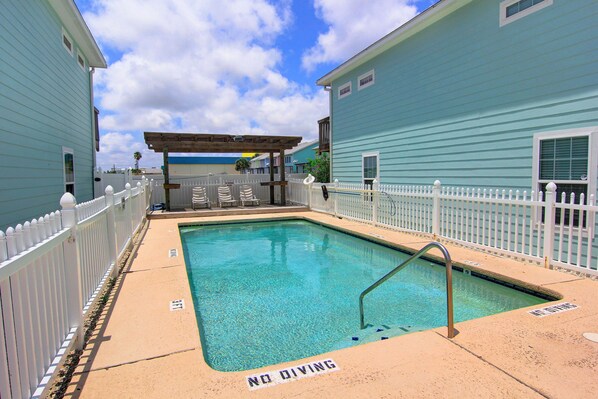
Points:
(329, 90)
(93, 131)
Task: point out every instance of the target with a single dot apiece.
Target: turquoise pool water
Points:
(270, 292)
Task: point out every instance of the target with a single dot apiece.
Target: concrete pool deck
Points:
(142, 349)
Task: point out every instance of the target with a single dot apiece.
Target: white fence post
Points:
(549, 212)
(72, 265)
(129, 209)
(111, 229)
(335, 197)
(376, 200)
(309, 195)
(436, 209)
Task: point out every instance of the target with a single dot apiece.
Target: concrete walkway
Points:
(141, 349)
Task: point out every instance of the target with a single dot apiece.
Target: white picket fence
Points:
(531, 226)
(51, 272)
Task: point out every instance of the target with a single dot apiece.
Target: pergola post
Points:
(283, 194)
(166, 179)
(271, 178)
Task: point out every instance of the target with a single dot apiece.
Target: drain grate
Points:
(548, 310)
(173, 253)
(177, 304)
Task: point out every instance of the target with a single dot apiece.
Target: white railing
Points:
(180, 198)
(531, 226)
(51, 271)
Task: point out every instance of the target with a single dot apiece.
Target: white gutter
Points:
(428, 17)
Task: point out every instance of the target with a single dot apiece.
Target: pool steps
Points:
(376, 333)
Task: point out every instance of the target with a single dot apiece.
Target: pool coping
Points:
(108, 365)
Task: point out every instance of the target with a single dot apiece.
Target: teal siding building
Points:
(296, 158)
(47, 119)
(482, 93)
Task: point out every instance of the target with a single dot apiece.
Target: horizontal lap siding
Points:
(44, 105)
(461, 100)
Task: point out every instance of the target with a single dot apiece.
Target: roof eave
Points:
(421, 21)
(73, 21)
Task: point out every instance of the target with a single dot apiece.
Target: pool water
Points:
(271, 292)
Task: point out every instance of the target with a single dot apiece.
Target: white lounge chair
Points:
(225, 198)
(247, 197)
(200, 198)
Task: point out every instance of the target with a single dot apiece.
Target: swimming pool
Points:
(275, 291)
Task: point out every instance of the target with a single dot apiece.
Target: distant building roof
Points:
(202, 160)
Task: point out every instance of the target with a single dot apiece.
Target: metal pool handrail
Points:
(449, 283)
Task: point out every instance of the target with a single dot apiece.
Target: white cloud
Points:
(197, 66)
(116, 149)
(353, 25)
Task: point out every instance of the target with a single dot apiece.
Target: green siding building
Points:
(47, 118)
(482, 93)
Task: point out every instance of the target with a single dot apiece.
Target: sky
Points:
(232, 66)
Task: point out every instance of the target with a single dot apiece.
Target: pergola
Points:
(165, 142)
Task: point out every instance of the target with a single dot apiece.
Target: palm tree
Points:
(137, 156)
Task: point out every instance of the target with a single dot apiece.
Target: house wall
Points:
(44, 105)
(461, 100)
(302, 156)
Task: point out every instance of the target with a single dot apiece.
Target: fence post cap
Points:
(128, 186)
(109, 190)
(551, 187)
(437, 183)
(138, 184)
(68, 201)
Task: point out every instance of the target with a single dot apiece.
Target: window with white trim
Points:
(370, 167)
(569, 159)
(67, 42)
(344, 90)
(366, 80)
(68, 163)
(512, 10)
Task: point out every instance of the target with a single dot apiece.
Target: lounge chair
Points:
(225, 198)
(200, 198)
(247, 197)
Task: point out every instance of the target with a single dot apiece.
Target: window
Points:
(365, 80)
(512, 10)
(370, 167)
(67, 42)
(287, 159)
(80, 60)
(344, 90)
(569, 159)
(69, 170)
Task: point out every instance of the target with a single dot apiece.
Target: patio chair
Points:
(225, 198)
(247, 197)
(200, 198)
